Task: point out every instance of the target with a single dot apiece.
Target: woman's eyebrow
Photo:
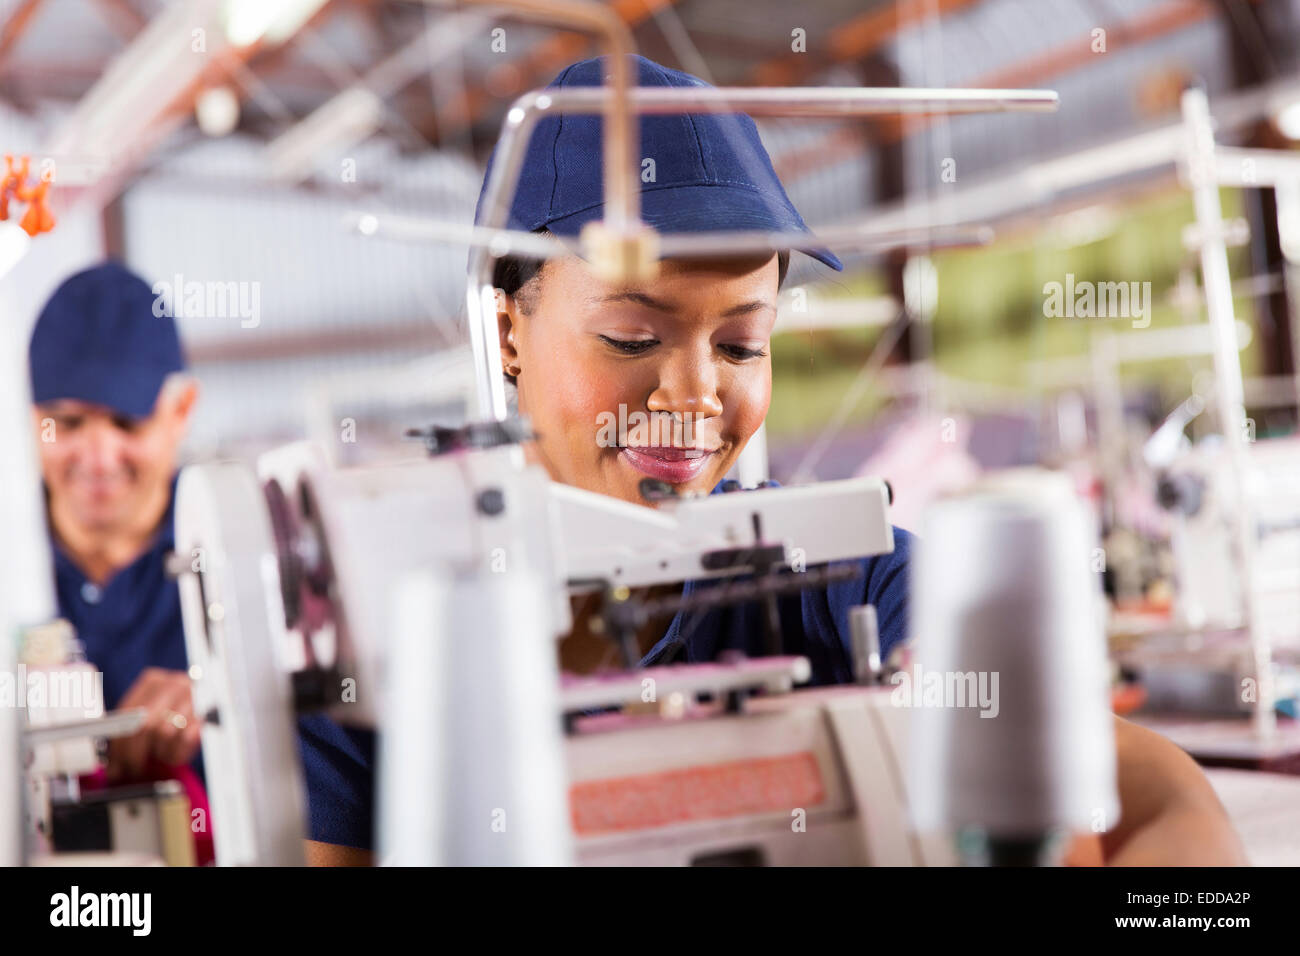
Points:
(640, 298)
(745, 308)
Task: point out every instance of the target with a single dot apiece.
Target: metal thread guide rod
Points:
(1203, 179)
(822, 102)
(620, 247)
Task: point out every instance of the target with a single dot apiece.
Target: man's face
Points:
(691, 344)
(103, 469)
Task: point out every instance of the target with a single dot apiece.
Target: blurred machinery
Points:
(1202, 552)
(70, 809)
(1233, 500)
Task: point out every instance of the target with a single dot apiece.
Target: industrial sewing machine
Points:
(425, 599)
(342, 578)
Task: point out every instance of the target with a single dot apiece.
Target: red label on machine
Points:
(710, 792)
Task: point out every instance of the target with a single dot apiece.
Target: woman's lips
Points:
(673, 465)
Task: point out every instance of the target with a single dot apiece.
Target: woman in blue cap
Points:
(692, 346)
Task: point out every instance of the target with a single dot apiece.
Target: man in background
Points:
(112, 404)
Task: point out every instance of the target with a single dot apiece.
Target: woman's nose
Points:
(687, 383)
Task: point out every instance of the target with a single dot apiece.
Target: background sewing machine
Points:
(65, 727)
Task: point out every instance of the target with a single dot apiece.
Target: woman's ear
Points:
(506, 332)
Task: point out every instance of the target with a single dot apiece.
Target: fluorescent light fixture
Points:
(248, 21)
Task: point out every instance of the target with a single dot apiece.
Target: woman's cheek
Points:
(576, 404)
(592, 390)
(746, 405)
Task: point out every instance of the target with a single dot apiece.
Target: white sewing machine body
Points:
(477, 552)
(813, 777)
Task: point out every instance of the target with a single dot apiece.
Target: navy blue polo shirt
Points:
(133, 620)
(339, 762)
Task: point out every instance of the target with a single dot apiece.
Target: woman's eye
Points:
(742, 353)
(630, 346)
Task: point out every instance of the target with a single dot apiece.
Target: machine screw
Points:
(491, 501)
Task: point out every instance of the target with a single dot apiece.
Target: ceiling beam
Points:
(16, 25)
(856, 39)
(1034, 71)
(514, 78)
(418, 336)
(1169, 17)
(124, 20)
(863, 38)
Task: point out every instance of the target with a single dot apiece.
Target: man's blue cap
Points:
(100, 340)
(711, 171)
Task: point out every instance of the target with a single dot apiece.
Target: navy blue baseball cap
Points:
(711, 171)
(100, 339)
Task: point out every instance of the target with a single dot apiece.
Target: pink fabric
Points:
(924, 458)
(155, 771)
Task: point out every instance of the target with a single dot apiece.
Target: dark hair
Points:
(512, 273)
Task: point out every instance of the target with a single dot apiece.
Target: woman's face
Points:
(667, 379)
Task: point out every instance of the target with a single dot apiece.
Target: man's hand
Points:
(170, 733)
